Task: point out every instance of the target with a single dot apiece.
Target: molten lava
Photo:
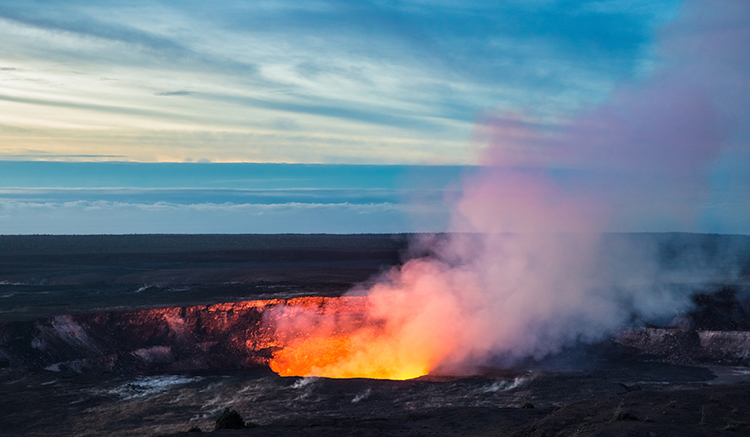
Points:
(346, 337)
(337, 338)
(413, 322)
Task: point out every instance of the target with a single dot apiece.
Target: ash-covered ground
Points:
(148, 335)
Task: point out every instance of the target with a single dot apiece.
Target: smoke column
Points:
(522, 273)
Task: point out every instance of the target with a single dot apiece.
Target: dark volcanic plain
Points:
(147, 335)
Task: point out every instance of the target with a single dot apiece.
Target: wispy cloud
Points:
(395, 73)
(190, 196)
(102, 217)
(174, 93)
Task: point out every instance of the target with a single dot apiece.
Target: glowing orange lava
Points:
(340, 338)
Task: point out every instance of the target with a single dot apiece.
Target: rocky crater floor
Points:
(124, 336)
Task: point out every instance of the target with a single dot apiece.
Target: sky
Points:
(332, 116)
(116, 197)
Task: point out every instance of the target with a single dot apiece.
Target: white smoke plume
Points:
(524, 272)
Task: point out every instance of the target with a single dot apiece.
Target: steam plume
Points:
(523, 276)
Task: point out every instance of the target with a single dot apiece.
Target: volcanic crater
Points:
(145, 336)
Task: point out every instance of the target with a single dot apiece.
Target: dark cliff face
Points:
(221, 336)
(231, 336)
(723, 310)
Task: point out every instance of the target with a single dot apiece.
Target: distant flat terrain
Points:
(45, 275)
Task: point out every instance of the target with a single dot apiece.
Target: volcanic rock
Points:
(720, 311)
(229, 419)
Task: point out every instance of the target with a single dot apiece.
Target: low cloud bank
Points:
(104, 217)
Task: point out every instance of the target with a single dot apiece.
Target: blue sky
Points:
(170, 116)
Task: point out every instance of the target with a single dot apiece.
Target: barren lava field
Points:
(159, 334)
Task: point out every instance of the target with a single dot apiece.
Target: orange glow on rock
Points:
(337, 338)
(411, 323)
(399, 330)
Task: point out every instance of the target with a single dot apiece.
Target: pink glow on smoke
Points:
(526, 282)
(652, 146)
